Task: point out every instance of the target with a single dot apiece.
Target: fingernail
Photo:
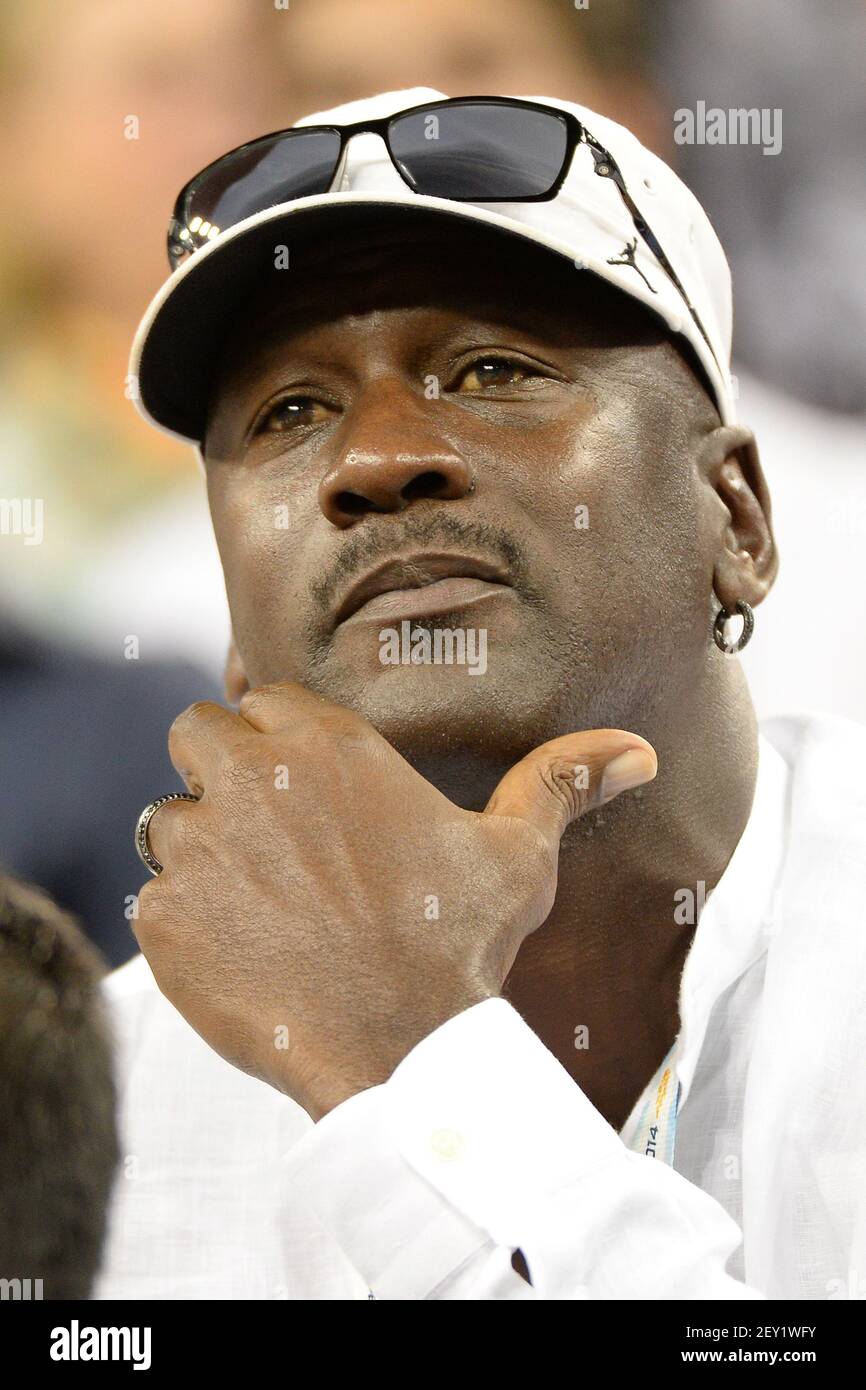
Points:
(629, 769)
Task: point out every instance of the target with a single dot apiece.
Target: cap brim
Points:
(179, 342)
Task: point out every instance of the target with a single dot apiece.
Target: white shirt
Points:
(480, 1142)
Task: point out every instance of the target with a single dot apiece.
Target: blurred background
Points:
(112, 608)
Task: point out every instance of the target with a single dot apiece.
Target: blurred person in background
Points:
(58, 1142)
(103, 103)
(338, 50)
(82, 742)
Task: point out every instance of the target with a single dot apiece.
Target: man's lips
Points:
(442, 596)
(420, 586)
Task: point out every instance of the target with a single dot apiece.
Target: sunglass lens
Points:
(480, 151)
(260, 175)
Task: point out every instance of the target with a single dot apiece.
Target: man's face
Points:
(442, 402)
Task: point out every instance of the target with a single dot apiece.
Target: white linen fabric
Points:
(480, 1143)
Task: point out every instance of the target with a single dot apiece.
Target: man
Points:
(484, 510)
(58, 1139)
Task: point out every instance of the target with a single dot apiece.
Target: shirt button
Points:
(446, 1144)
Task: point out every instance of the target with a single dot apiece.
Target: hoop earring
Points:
(731, 648)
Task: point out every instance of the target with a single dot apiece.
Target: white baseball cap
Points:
(588, 221)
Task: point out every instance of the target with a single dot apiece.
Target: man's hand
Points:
(323, 908)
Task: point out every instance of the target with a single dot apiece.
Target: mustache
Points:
(366, 548)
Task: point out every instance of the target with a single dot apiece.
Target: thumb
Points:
(563, 779)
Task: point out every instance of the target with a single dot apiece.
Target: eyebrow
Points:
(276, 348)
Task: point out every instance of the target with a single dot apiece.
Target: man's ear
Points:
(236, 683)
(747, 560)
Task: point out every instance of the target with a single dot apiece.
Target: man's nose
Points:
(390, 455)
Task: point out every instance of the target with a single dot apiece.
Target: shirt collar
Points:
(738, 917)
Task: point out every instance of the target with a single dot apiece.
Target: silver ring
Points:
(149, 860)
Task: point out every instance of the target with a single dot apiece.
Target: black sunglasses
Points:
(468, 149)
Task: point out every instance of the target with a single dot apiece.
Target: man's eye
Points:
(291, 411)
(495, 371)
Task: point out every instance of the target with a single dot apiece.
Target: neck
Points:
(599, 981)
